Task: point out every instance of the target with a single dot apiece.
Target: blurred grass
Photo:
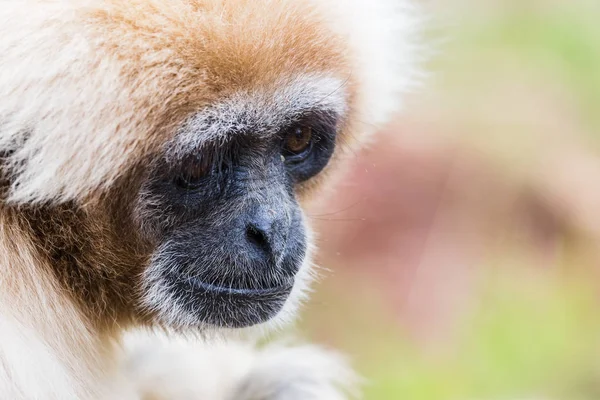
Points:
(563, 43)
(526, 338)
(511, 80)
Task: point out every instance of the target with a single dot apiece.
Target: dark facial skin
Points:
(228, 229)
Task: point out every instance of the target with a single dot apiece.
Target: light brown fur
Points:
(91, 91)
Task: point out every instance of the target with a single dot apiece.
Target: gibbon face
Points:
(159, 152)
(221, 203)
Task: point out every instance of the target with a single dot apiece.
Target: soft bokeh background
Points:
(462, 251)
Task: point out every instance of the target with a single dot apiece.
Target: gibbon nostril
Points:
(258, 237)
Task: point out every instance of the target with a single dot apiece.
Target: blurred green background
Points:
(460, 256)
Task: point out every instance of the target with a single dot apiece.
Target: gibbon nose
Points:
(265, 232)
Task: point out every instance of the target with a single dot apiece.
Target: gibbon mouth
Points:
(229, 307)
(284, 288)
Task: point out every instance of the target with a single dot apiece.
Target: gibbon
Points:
(156, 158)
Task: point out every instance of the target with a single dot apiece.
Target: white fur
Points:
(45, 107)
(261, 111)
(170, 368)
(383, 36)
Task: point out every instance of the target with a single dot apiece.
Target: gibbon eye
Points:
(298, 140)
(192, 173)
(308, 145)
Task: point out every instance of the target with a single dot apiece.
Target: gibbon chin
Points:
(156, 157)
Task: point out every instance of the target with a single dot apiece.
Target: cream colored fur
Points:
(179, 368)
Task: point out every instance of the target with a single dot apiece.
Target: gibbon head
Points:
(159, 153)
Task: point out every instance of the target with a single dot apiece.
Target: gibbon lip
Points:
(245, 292)
(250, 293)
(229, 307)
